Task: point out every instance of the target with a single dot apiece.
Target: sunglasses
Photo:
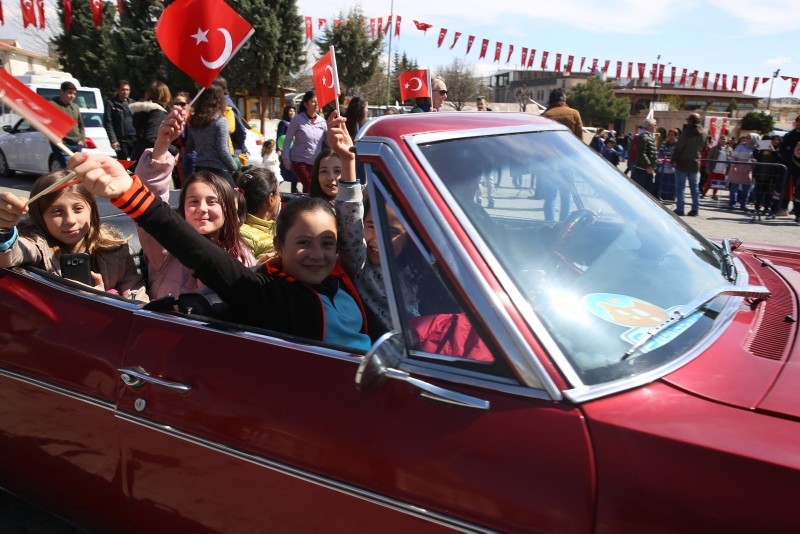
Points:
(443, 92)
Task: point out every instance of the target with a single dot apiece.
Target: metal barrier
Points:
(723, 184)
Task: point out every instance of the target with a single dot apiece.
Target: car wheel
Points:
(55, 165)
(4, 170)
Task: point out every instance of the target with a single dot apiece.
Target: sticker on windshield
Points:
(624, 310)
(639, 316)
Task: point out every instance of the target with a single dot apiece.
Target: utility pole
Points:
(771, 83)
(389, 58)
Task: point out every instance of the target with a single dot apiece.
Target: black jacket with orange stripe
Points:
(265, 297)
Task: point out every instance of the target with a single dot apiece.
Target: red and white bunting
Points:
(531, 58)
(524, 56)
(484, 47)
(497, 50)
(510, 51)
(558, 63)
(544, 59)
(470, 40)
(309, 30)
(442, 35)
(570, 59)
(455, 39)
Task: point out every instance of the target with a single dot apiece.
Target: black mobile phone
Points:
(77, 267)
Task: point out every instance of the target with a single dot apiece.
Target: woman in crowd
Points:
(148, 114)
(209, 136)
(357, 115)
(740, 177)
(289, 111)
(305, 138)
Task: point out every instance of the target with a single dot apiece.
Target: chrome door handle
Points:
(137, 377)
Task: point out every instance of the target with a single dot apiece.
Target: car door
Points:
(60, 349)
(224, 428)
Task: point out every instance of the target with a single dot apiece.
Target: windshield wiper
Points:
(729, 244)
(688, 309)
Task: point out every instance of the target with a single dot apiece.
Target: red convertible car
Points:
(574, 359)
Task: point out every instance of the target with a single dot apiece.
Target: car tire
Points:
(54, 165)
(4, 170)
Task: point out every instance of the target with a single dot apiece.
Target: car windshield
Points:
(599, 262)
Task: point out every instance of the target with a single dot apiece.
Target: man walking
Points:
(646, 156)
(118, 121)
(559, 111)
(76, 137)
(686, 158)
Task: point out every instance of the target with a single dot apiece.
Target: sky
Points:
(732, 37)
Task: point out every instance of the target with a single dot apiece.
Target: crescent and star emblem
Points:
(202, 37)
(419, 84)
(328, 68)
(28, 4)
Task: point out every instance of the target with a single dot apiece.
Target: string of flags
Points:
(566, 62)
(33, 13)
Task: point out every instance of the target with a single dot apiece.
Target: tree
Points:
(357, 52)
(596, 101)
(87, 52)
(138, 57)
(523, 96)
(674, 101)
(273, 52)
(732, 106)
(759, 122)
(462, 85)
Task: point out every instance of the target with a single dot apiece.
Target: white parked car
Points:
(24, 149)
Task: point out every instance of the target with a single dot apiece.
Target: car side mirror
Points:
(7, 128)
(385, 354)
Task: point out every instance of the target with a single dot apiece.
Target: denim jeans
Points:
(694, 188)
(739, 192)
(60, 156)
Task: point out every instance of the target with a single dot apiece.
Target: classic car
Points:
(577, 360)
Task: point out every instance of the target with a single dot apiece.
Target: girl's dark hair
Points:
(286, 109)
(210, 105)
(257, 184)
(316, 190)
(100, 236)
(297, 206)
(310, 95)
(355, 114)
(228, 237)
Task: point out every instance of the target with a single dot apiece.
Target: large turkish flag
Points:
(414, 84)
(201, 36)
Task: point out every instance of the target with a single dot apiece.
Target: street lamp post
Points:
(655, 86)
(771, 83)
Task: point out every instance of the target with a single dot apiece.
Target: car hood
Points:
(755, 363)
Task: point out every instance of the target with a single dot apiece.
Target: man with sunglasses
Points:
(439, 95)
(118, 121)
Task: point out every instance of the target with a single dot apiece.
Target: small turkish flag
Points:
(484, 46)
(424, 26)
(442, 34)
(326, 79)
(40, 8)
(201, 36)
(28, 13)
(414, 84)
(43, 115)
(68, 14)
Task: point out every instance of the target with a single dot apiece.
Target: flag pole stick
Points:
(335, 80)
(64, 149)
(200, 92)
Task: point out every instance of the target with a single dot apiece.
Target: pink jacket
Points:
(167, 274)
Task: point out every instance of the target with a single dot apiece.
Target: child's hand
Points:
(12, 208)
(97, 280)
(101, 175)
(339, 138)
(172, 125)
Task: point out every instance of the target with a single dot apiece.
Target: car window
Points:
(84, 99)
(23, 126)
(92, 120)
(432, 319)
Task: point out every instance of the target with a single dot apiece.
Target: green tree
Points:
(732, 106)
(273, 52)
(462, 85)
(759, 122)
(357, 53)
(596, 101)
(138, 57)
(675, 102)
(87, 52)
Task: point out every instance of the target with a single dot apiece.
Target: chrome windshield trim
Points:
(37, 382)
(307, 476)
(521, 357)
